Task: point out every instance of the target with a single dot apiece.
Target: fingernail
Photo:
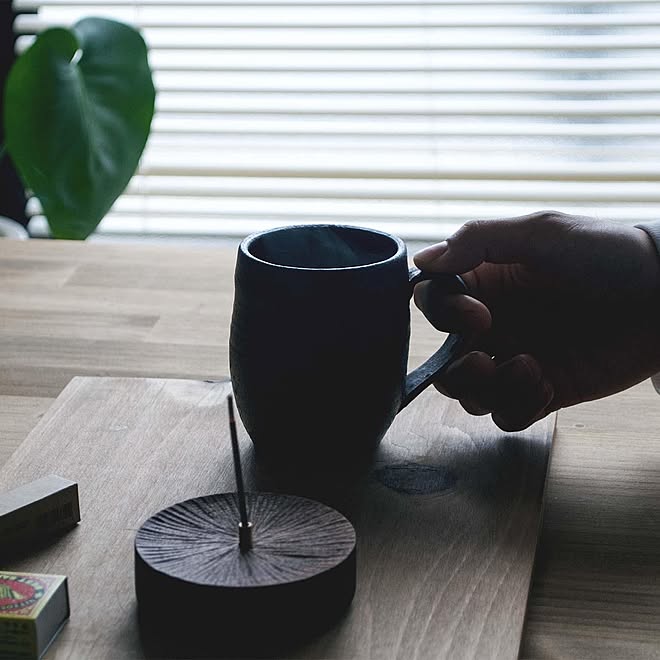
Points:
(429, 255)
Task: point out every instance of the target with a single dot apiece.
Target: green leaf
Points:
(78, 110)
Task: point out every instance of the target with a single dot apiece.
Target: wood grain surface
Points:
(70, 309)
(447, 523)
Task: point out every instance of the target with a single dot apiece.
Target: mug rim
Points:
(249, 240)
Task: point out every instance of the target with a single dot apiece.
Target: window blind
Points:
(412, 117)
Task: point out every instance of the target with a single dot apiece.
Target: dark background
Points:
(12, 195)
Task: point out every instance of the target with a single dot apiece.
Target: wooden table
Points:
(70, 309)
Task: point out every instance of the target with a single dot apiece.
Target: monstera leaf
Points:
(78, 109)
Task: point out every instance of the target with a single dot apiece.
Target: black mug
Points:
(319, 342)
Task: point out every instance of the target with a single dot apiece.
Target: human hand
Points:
(561, 309)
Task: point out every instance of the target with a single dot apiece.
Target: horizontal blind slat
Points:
(403, 61)
(229, 40)
(438, 213)
(183, 125)
(396, 84)
(425, 105)
(347, 208)
(314, 19)
(235, 165)
(378, 146)
(240, 226)
(532, 191)
(155, 227)
(34, 4)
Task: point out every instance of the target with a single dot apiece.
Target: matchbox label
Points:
(20, 595)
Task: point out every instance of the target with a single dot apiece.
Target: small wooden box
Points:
(33, 609)
(37, 510)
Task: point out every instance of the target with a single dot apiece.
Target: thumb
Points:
(522, 239)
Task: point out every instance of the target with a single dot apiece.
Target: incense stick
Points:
(244, 526)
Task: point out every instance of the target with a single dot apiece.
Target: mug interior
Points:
(323, 246)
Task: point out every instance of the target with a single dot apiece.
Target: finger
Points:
(515, 376)
(525, 415)
(474, 408)
(522, 393)
(471, 380)
(511, 240)
(453, 313)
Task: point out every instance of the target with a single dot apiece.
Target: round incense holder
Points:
(200, 593)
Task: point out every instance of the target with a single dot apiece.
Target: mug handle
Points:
(419, 379)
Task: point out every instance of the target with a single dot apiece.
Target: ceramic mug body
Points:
(319, 341)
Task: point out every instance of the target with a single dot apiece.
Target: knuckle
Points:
(471, 227)
(550, 217)
(549, 225)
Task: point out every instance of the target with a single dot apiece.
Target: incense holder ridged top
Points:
(198, 592)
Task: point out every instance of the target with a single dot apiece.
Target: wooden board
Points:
(20, 415)
(447, 521)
